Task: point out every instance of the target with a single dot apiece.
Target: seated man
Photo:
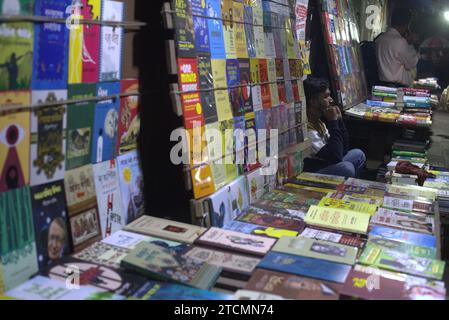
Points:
(330, 139)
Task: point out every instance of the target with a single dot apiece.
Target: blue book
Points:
(259, 119)
(215, 27)
(235, 92)
(249, 31)
(106, 123)
(243, 227)
(382, 104)
(51, 41)
(403, 236)
(153, 290)
(200, 26)
(239, 140)
(307, 267)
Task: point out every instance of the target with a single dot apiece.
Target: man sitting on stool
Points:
(330, 139)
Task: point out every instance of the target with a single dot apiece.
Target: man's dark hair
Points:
(401, 17)
(314, 86)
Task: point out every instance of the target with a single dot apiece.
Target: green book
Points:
(165, 264)
(80, 121)
(401, 262)
(407, 248)
(317, 249)
(398, 153)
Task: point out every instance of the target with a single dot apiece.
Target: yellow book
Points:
(348, 205)
(215, 153)
(228, 20)
(227, 131)
(338, 219)
(202, 182)
(272, 79)
(222, 101)
(76, 52)
(239, 30)
(297, 186)
(14, 141)
(275, 233)
(256, 89)
(323, 178)
(291, 53)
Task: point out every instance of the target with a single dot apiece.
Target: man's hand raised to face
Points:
(331, 114)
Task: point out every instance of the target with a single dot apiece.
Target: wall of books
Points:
(345, 61)
(69, 168)
(239, 69)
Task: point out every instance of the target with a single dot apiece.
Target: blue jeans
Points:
(350, 167)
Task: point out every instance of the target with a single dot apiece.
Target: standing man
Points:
(396, 57)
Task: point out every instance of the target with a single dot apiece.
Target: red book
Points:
(91, 47)
(129, 120)
(266, 92)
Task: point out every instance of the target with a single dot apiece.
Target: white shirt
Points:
(397, 60)
(318, 141)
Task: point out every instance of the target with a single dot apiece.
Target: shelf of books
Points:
(341, 35)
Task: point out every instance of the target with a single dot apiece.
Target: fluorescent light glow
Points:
(446, 15)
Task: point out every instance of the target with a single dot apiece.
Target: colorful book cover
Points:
(249, 31)
(227, 16)
(348, 205)
(326, 235)
(80, 122)
(164, 291)
(256, 90)
(48, 137)
(236, 241)
(272, 80)
(227, 132)
(261, 217)
(111, 45)
(402, 262)
(51, 43)
(129, 117)
(14, 141)
(75, 68)
(288, 84)
(404, 221)
(110, 206)
(282, 209)
(214, 24)
(214, 149)
(184, 28)
(129, 240)
(258, 24)
(18, 250)
(307, 267)
(81, 200)
(219, 206)
(238, 196)
(317, 249)
(239, 143)
(292, 287)
(16, 47)
(280, 79)
(245, 82)
(338, 219)
(131, 185)
(206, 80)
(408, 248)
(258, 230)
(239, 29)
(104, 136)
(414, 238)
(224, 110)
(265, 86)
(171, 265)
(276, 28)
(200, 26)
(290, 39)
(270, 48)
(234, 89)
(165, 229)
(51, 224)
(104, 254)
(91, 41)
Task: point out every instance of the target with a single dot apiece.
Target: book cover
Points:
(239, 29)
(206, 82)
(131, 185)
(215, 26)
(280, 80)
(106, 119)
(51, 43)
(404, 221)
(281, 196)
(82, 207)
(14, 141)
(51, 224)
(265, 87)
(129, 116)
(171, 265)
(228, 17)
(307, 267)
(48, 137)
(258, 230)
(282, 209)
(230, 262)
(408, 248)
(276, 28)
(254, 295)
(111, 42)
(292, 287)
(91, 10)
(80, 122)
(272, 82)
(317, 249)
(249, 31)
(224, 110)
(227, 132)
(401, 262)
(214, 150)
(129, 240)
(258, 27)
(335, 237)
(256, 185)
(18, 250)
(238, 196)
(191, 100)
(251, 153)
(75, 54)
(403, 236)
(262, 217)
(268, 30)
(338, 219)
(256, 90)
(234, 89)
(164, 291)
(166, 229)
(103, 254)
(245, 82)
(348, 205)
(110, 206)
(16, 48)
(236, 241)
(200, 26)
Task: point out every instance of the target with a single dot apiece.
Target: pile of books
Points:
(427, 84)
(316, 237)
